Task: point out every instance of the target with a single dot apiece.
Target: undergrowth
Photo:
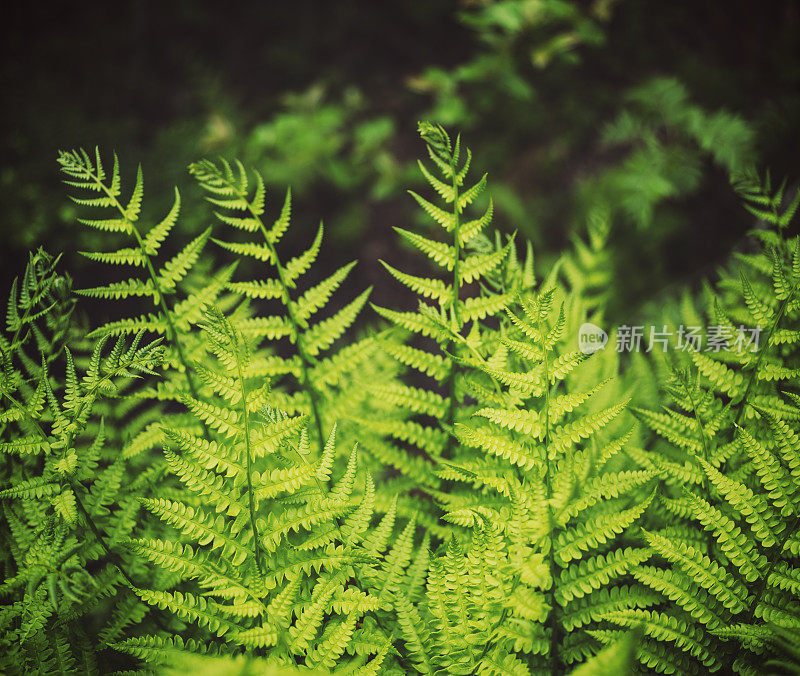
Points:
(252, 474)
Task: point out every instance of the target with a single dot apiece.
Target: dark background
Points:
(643, 108)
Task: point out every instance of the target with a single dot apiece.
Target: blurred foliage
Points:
(668, 138)
(513, 34)
(636, 108)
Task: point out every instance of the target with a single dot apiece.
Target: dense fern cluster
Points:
(231, 479)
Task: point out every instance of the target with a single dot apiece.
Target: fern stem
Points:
(695, 412)
(305, 365)
(781, 311)
(710, 539)
(78, 488)
(451, 378)
(556, 638)
(173, 333)
(762, 583)
(170, 324)
(25, 412)
(249, 451)
(115, 558)
(478, 356)
(457, 247)
(306, 361)
(96, 532)
(762, 350)
(323, 489)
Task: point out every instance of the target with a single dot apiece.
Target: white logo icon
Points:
(591, 338)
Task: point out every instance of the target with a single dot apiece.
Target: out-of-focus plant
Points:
(669, 139)
(318, 142)
(517, 38)
(318, 137)
(663, 151)
(534, 83)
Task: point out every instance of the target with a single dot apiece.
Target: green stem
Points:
(451, 378)
(710, 539)
(763, 348)
(16, 345)
(96, 532)
(171, 331)
(306, 361)
(556, 635)
(90, 395)
(761, 351)
(324, 491)
(695, 412)
(762, 583)
(249, 450)
(478, 357)
(25, 412)
(117, 561)
(77, 488)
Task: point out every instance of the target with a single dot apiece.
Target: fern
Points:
(57, 489)
(270, 547)
(561, 514)
(732, 425)
(234, 480)
(228, 190)
(411, 431)
(121, 216)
